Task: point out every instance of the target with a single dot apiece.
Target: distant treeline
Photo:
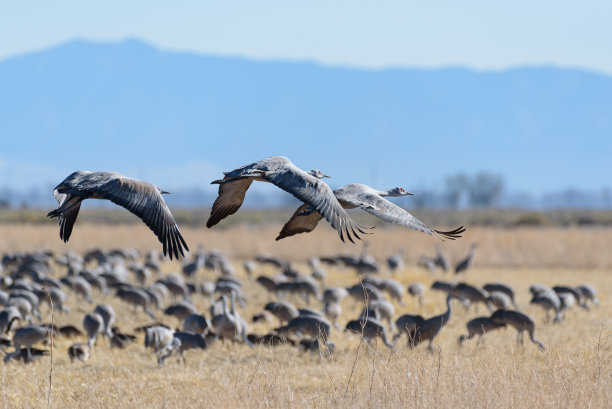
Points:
(481, 190)
(504, 218)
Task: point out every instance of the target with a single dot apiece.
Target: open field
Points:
(574, 371)
(586, 247)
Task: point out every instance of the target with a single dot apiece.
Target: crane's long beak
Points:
(163, 192)
(325, 176)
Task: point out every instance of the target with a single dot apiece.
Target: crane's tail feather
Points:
(452, 234)
(360, 227)
(348, 234)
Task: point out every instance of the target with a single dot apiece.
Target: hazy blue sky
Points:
(481, 34)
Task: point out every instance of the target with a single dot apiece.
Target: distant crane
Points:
(141, 198)
(466, 263)
(440, 260)
(520, 322)
(356, 195)
(396, 261)
(420, 329)
(306, 186)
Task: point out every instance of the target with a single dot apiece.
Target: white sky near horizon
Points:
(477, 34)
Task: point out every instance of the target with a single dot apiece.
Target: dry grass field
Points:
(574, 371)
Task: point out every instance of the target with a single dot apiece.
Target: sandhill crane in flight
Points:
(141, 198)
(306, 186)
(356, 195)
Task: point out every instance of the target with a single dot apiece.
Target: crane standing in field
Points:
(141, 198)
(396, 261)
(356, 195)
(306, 186)
(440, 260)
(466, 263)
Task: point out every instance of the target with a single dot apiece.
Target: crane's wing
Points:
(67, 212)
(231, 196)
(391, 213)
(304, 220)
(145, 201)
(319, 196)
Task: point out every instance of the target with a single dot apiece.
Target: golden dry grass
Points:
(521, 247)
(575, 370)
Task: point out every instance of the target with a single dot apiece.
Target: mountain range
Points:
(179, 119)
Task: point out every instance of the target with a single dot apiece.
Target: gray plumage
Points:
(8, 316)
(229, 324)
(136, 297)
(466, 263)
(162, 341)
(27, 336)
(268, 283)
(306, 186)
(503, 288)
(305, 288)
(334, 294)
(23, 306)
(589, 293)
(574, 291)
(381, 310)
(108, 316)
(473, 294)
(94, 325)
(549, 301)
(408, 324)
(480, 326)
(440, 260)
(444, 286)
(189, 340)
(284, 311)
(431, 327)
(197, 323)
(369, 329)
(365, 292)
(497, 300)
(357, 195)
(181, 310)
(396, 261)
(332, 310)
(520, 322)
(78, 351)
(55, 296)
(417, 290)
(141, 198)
(314, 327)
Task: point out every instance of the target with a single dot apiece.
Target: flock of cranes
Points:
(365, 306)
(145, 201)
(29, 280)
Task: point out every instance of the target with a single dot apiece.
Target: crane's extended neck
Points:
(448, 308)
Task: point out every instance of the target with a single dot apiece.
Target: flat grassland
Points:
(574, 371)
